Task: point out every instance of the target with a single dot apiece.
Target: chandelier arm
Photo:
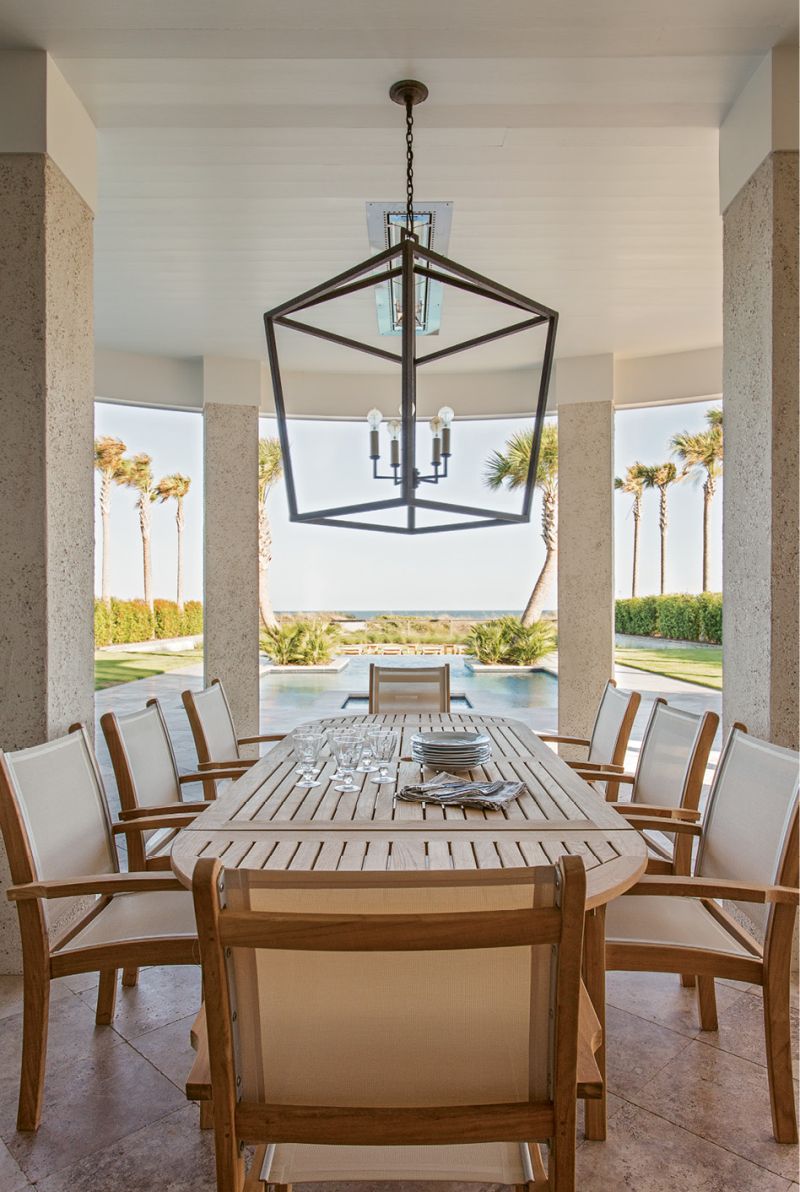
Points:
(449, 279)
(362, 267)
(541, 411)
(477, 340)
(362, 284)
(321, 333)
(497, 289)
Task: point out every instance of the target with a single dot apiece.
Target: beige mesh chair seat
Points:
(748, 855)
(409, 688)
(667, 782)
(373, 1032)
(214, 733)
(77, 912)
(607, 745)
(148, 781)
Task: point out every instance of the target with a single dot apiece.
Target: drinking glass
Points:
(366, 763)
(308, 746)
(384, 744)
(347, 748)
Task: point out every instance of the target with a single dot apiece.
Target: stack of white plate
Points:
(451, 750)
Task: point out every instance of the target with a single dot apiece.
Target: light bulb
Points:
(374, 419)
(394, 426)
(436, 425)
(447, 415)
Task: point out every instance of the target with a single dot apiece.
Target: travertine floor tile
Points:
(741, 1030)
(161, 996)
(170, 1155)
(724, 1099)
(11, 1176)
(646, 1153)
(168, 1048)
(11, 994)
(660, 997)
(637, 1050)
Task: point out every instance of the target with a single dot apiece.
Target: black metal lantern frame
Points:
(405, 261)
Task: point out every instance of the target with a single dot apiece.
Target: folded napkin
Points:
(450, 790)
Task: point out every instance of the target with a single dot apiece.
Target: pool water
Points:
(296, 697)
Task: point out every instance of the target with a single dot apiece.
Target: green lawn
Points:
(111, 669)
(701, 665)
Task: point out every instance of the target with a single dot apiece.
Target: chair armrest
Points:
(137, 813)
(147, 823)
(699, 887)
(606, 767)
(563, 740)
(239, 763)
(98, 883)
(600, 774)
(265, 737)
(658, 824)
(216, 773)
(653, 809)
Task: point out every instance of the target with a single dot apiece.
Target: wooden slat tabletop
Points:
(265, 821)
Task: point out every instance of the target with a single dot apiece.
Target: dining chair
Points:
(409, 688)
(611, 732)
(77, 912)
(361, 1031)
(214, 731)
(668, 779)
(748, 855)
(148, 780)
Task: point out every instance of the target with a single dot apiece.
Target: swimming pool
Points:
(324, 695)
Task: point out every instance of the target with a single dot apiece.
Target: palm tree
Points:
(270, 470)
(138, 474)
(661, 476)
(108, 453)
(510, 467)
(175, 487)
(633, 483)
(703, 451)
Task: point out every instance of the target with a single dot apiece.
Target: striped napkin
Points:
(451, 791)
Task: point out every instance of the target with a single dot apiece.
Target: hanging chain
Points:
(409, 167)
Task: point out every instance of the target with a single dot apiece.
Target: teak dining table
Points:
(264, 820)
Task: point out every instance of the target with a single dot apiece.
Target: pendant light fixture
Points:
(404, 266)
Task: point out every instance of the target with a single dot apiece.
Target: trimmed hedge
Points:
(683, 617)
(132, 621)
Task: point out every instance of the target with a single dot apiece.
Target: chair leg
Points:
(106, 997)
(206, 1115)
(777, 1034)
(687, 980)
(130, 976)
(707, 1003)
(35, 1021)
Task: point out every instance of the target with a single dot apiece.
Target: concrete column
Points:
(584, 393)
(759, 191)
(46, 417)
(231, 398)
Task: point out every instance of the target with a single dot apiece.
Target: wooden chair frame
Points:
(42, 959)
(204, 759)
(132, 811)
(768, 965)
(678, 860)
(238, 1123)
(439, 673)
(617, 759)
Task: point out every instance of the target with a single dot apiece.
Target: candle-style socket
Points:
(394, 457)
(374, 444)
(437, 451)
(446, 440)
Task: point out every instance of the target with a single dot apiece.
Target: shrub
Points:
(169, 621)
(679, 617)
(133, 621)
(192, 618)
(637, 615)
(300, 643)
(103, 624)
(711, 616)
(506, 641)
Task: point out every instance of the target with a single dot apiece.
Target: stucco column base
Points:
(46, 476)
(761, 530)
(585, 563)
(230, 614)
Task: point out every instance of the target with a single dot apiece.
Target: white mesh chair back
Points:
(464, 1026)
(152, 768)
(751, 809)
(608, 725)
(215, 724)
(62, 804)
(666, 756)
(409, 688)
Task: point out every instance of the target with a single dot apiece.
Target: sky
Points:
(319, 568)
